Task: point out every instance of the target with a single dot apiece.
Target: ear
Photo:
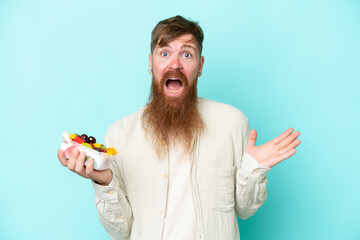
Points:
(201, 64)
(150, 63)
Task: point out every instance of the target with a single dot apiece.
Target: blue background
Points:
(81, 65)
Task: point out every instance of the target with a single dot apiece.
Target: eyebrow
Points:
(188, 46)
(183, 46)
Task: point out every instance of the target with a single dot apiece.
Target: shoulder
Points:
(221, 112)
(124, 123)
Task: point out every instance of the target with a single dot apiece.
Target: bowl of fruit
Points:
(100, 153)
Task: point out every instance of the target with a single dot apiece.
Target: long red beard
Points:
(172, 120)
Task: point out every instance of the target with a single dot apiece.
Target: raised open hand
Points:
(274, 151)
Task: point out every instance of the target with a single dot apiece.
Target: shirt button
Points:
(121, 217)
(111, 191)
(165, 175)
(256, 170)
(246, 194)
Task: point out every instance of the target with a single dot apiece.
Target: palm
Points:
(274, 151)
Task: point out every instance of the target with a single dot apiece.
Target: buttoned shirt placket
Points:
(195, 190)
(164, 163)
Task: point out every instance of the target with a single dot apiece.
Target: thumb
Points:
(252, 137)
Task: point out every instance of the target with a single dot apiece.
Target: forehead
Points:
(186, 40)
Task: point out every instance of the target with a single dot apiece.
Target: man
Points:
(186, 166)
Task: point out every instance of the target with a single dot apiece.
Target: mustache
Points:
(176, 73)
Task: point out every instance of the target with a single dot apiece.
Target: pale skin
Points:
(75, 163)
(274, 151)
(183, 54)
(180, 54)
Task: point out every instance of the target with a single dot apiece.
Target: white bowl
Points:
(101, 160)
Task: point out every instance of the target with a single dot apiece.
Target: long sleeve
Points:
(114, 210)
(251, 180)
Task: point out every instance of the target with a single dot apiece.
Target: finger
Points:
(252, 137)
(89, 166)
(62, 158)
(292, 145)
(285, 142)
(283, 135)
(95, 175)
(284, 156)
(79, 166)
(72, 159)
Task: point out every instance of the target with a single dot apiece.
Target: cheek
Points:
(191, 75)
(156, 75)
(158, 70)
(193, 69)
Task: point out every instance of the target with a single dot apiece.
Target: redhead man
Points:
(186, 166)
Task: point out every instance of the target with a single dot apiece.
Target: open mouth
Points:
(174, 86)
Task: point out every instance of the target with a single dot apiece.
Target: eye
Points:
(164, 54)
(187, 55)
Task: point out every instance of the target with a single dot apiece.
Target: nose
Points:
(175, 63)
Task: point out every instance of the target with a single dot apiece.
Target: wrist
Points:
(106, 178)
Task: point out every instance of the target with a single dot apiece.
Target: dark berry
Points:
(92, 139)
(85, 138)
(97, 149)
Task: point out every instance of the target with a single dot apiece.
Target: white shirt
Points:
(225, 181)
(180, 218)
